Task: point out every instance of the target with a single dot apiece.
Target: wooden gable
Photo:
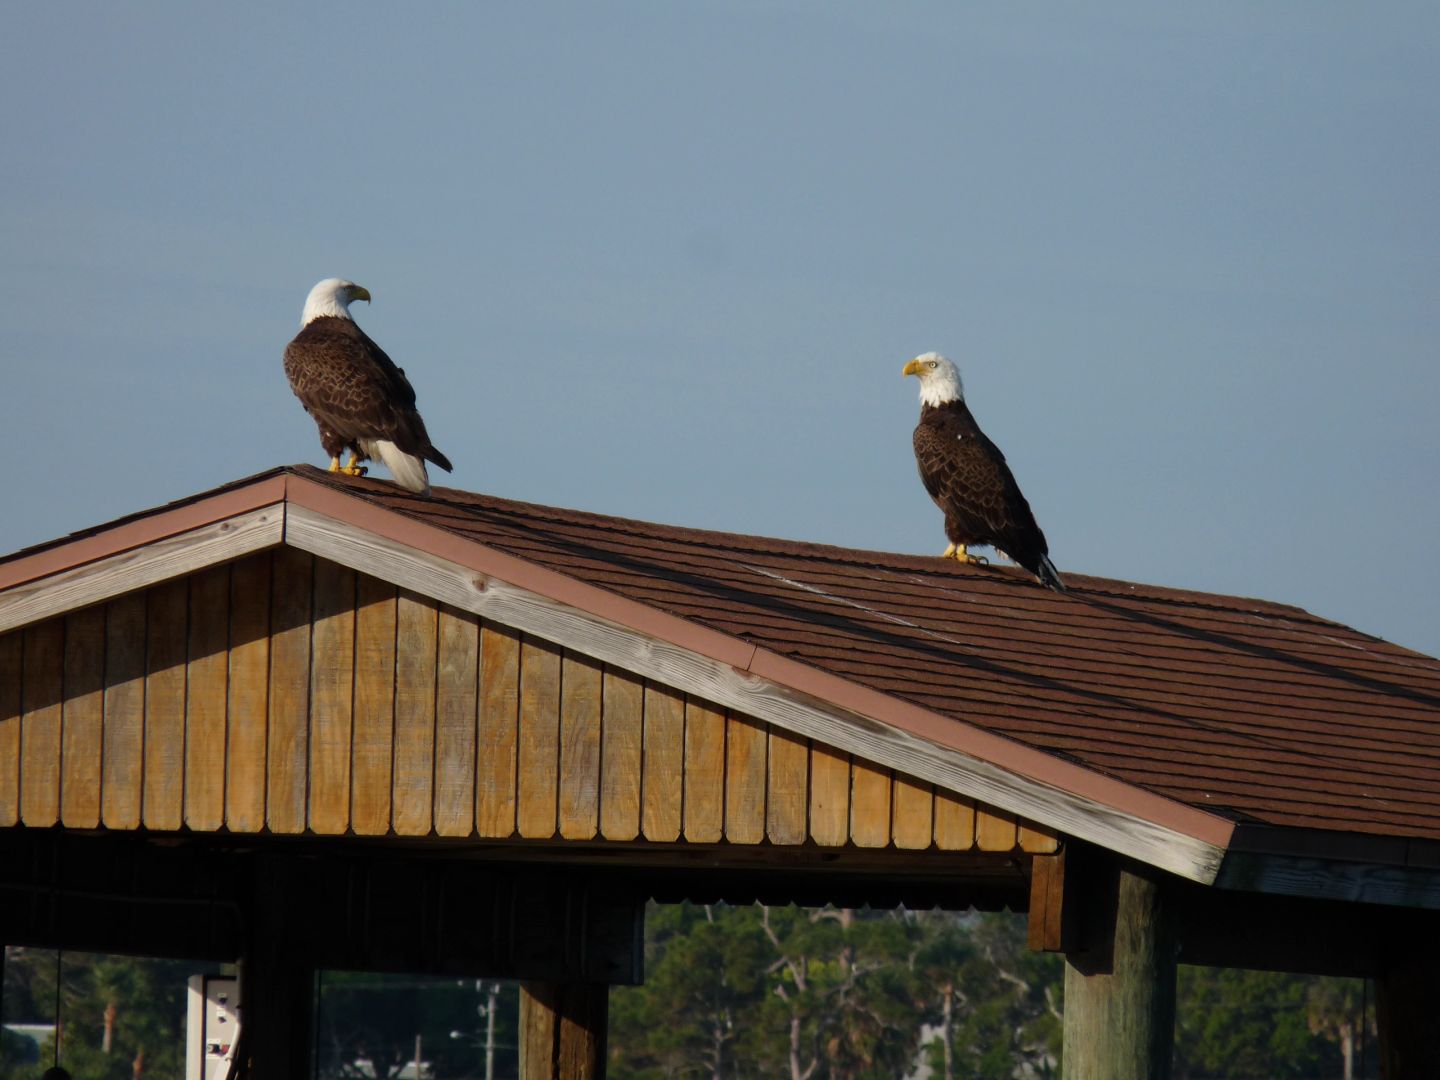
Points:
(285, 693)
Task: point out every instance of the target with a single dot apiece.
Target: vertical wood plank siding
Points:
(291, 693)
(123, 746)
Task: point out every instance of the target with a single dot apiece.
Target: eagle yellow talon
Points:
(960, 555)
(334, 464)
(352, 467)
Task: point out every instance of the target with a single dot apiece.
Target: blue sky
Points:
(667, 260)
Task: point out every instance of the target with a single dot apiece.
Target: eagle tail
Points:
(407, 469)
(1048, 575)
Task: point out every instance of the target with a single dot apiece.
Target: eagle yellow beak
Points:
(912, 368)
(361, 293)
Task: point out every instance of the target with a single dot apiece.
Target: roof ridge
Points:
(819, 551)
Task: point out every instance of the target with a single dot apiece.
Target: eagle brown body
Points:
(360, 400)
(354, 391)
(967, 476)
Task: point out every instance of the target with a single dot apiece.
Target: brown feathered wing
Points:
(354, 391)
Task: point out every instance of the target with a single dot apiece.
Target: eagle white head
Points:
(939, 378)
(333, 296)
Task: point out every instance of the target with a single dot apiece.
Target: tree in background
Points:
(145, 999)
(834, 993)
(1248, 1025)
(999, 1003)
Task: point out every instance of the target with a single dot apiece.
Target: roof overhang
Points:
(284, 508)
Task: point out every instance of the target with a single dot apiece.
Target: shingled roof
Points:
(1252, 713)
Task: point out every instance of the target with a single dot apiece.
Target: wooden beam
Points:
(1047, 903)
(1120, 983)
(562, 1030)
(277, 978)
(158, 561)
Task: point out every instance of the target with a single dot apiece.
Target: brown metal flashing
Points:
(101, 543)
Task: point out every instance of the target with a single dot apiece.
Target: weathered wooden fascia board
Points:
(1330, 879)
(159, 560)
(785, 707)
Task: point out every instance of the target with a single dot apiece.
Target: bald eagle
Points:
(965, 473)
(361, 401)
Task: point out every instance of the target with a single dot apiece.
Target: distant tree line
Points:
(730, 992)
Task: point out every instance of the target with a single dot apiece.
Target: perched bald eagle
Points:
(361, 401)
(965, 473)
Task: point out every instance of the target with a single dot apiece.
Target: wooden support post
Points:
(1406, 989)
(277, 980)
(1120, 983)
(562, 1030)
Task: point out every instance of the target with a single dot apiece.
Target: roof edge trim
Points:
(141, 530)
(72, 584)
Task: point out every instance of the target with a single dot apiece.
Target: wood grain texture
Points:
(1047, 895)
(829, 796)
(869, 804)
(954, 822)
(12, 658)
(538, 757)
(332, 697)
(499, 731)
(621, 740)
(539, 1031)
(662, 763)
(82, 736)
(249, 694)
(787, 788)
(1120, 1021)
(417, 627)
(166, 633)
(913, 816)
(580, 1053)
(1037, 841)
(704, 810)
(456, 719)
(581, 688)
(995, 830)
(563, 1030)
(746, 746)
(374, 740)
(124, 752)
(206, 690)
(162, 560)
(1166, 846)
(288, 732)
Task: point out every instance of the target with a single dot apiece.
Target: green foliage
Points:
(1259, 1025)
(840, 994)
(149, 1019)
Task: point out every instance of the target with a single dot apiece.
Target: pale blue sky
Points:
(666, 260)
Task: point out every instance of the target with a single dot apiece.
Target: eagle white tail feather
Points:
(1049, 576)
(407, 469)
